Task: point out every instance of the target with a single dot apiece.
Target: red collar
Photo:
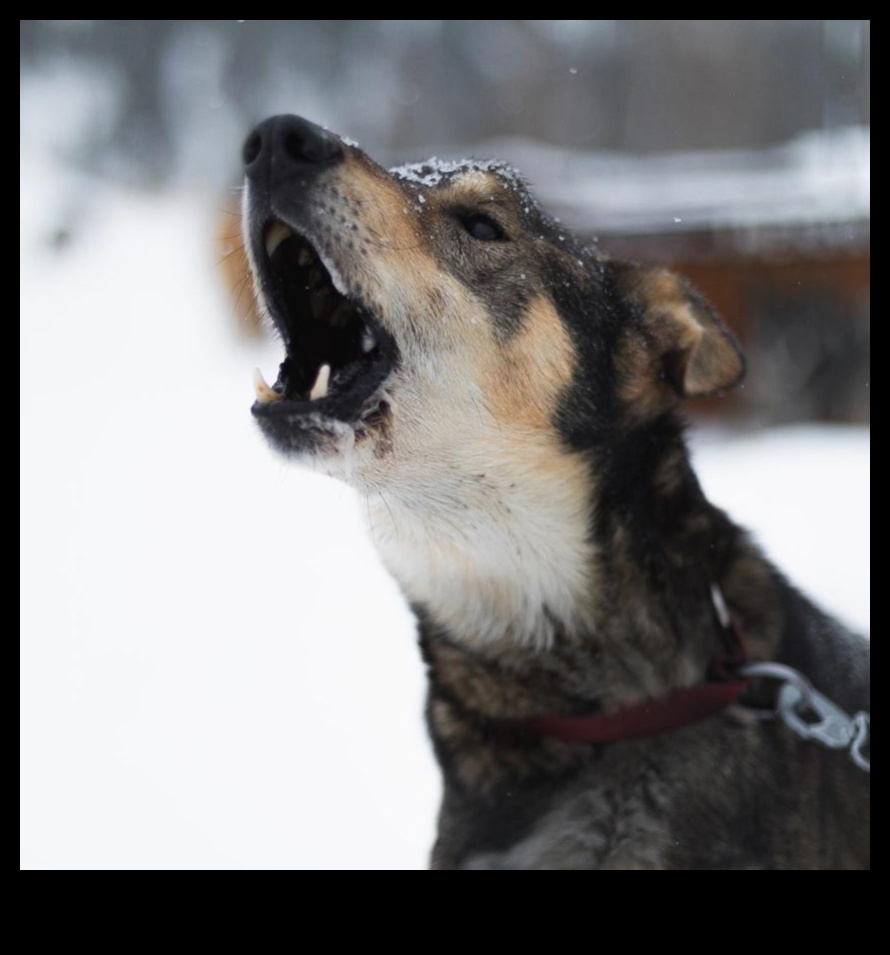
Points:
(679, 708)
(649, 718)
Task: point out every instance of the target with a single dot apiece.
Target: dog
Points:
(505, 399)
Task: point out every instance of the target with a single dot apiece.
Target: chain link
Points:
(812, 716)
(862, 742)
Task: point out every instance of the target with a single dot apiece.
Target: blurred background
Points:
(198, 691)
(737, 149)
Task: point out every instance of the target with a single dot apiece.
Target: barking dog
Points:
(506, 402)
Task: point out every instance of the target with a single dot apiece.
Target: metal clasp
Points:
(812, 716)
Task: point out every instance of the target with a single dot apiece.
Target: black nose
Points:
(288, 143)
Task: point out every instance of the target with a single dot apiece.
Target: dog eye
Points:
(482, 227)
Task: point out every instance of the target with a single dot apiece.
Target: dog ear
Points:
(678, 342)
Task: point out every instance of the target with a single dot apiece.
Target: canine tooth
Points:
(368, 340)
(275, 235)
(263, 392)
(305, 256)
(320, 388)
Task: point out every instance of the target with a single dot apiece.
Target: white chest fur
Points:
(490, 552)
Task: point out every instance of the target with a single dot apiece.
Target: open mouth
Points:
(338, 356)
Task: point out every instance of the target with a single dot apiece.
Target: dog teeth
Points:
(322, 379)
(275, 235)
(263, 392)
(368, 340)
(305, 256)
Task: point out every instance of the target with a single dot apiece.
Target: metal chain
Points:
(812, 716)
(862, 742)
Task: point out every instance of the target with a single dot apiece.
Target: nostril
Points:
(309, 145)
(296, 147)
(252, 148)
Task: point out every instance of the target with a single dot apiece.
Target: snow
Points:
(433, 171)
(216, 673)
(804, 492)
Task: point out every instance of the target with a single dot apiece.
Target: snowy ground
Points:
(216, 672)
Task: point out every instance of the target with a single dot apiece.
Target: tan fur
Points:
(681, 350)
(488, 419)
(525, 379)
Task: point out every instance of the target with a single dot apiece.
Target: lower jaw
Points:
(307, 434)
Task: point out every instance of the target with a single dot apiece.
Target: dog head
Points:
(463, 361)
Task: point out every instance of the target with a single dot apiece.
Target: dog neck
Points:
(655, 547)
(492, 557)
(481, 697)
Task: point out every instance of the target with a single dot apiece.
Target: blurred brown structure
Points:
(235, 270)
(803, 318)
